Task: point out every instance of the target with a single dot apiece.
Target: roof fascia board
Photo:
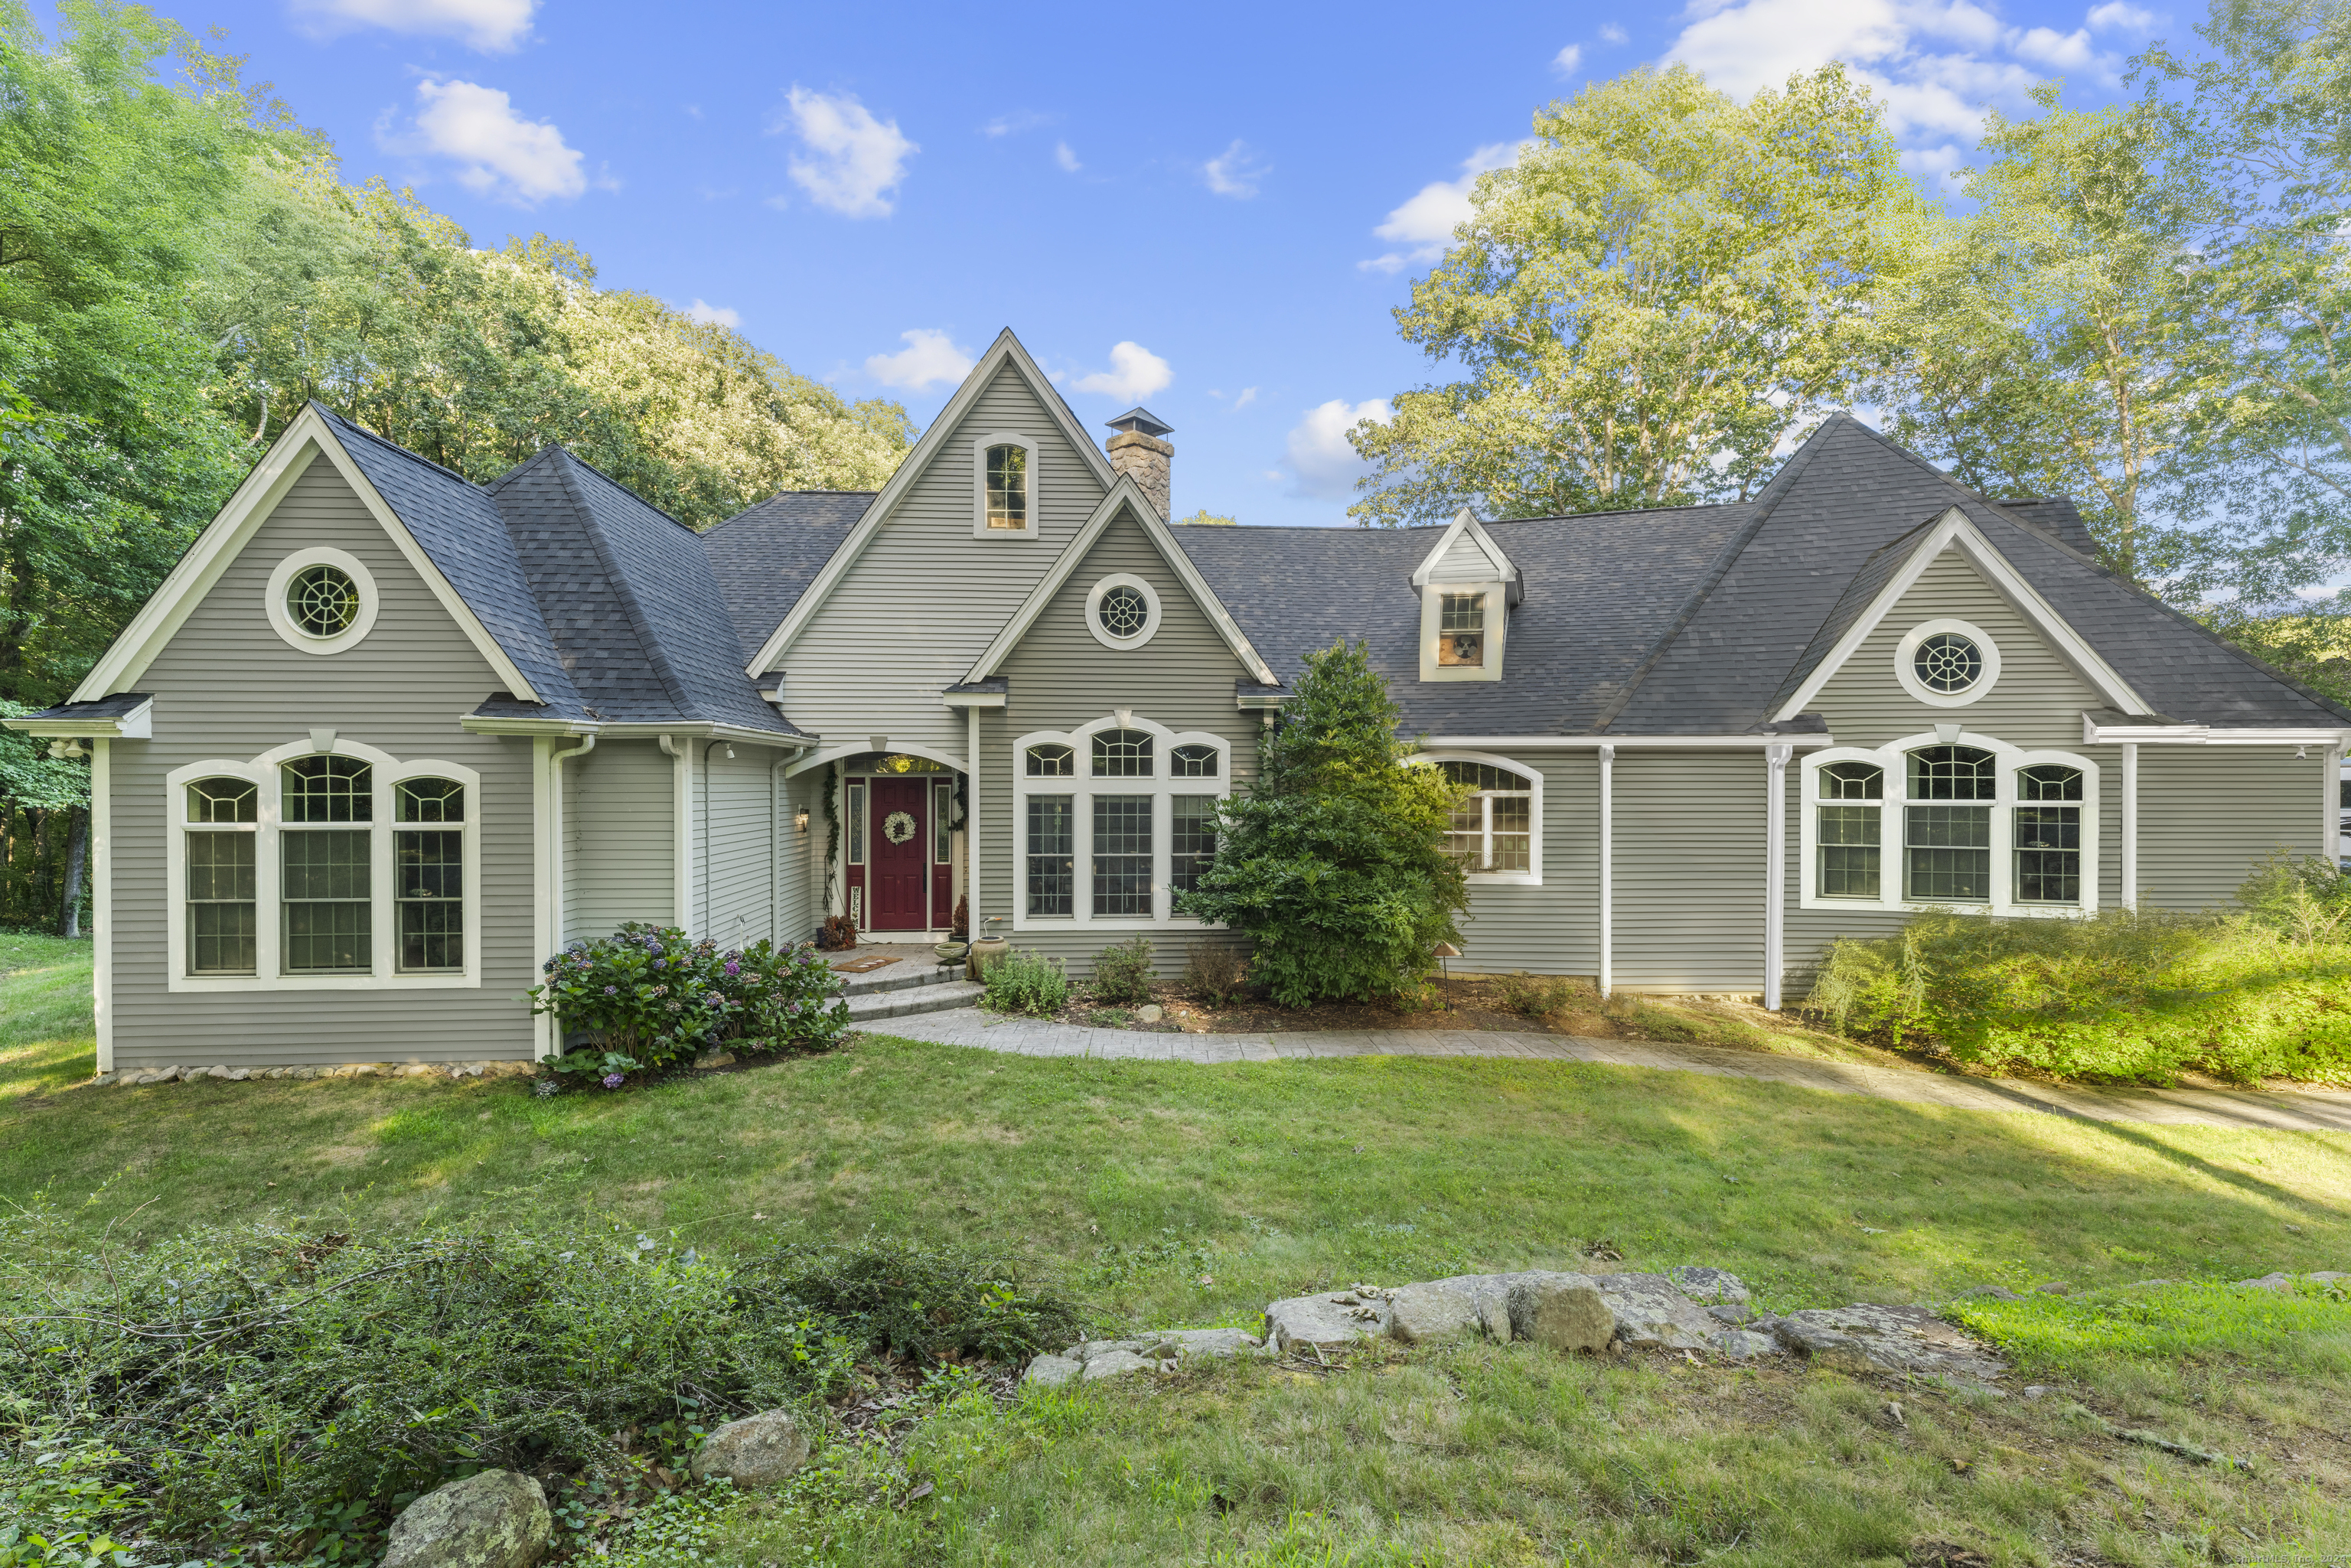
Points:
(1628, 742)
(477, 724)
(976, 699)
(1005, 351)
(698, 729)
(2276, 736)
(1122, 492)
(139, 724)
(1955, 528)
(249, 506)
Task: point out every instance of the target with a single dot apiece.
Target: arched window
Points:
(1051, 762)
(1117, 840)
(1123, 754)
(1193, 762)
(1493, 829)
(1947, 834)
(1008, 486)
(2048, 834)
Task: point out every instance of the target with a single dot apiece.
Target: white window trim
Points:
(979, 528)
(350, 565)
(1150, 619)
(1533, 875)
(1892, 758)
(1907, 673)
(1081, 787)
(1498, 622)
(262, 771)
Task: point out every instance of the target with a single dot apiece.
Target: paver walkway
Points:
(2294, 1110)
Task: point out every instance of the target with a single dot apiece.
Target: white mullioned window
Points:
(1003, 483)
(339, 868)
(1496, 833)
(1964, 822)
(1113, 819)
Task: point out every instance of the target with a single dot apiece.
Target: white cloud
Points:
(1567, 59)
(1236, 171)
(1005, 124)
(1321, 464)
(2121, 13)
(1244, 397)
(928, 359)
(482, 23)
(1135, 373)
(1936, 63)
(713, 315)
(851, 163)
(1065, 158)
(497, 151)
(1427, 222)
(1610, 33)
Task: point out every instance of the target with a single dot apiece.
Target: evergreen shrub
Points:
(2128, 996)
(1335, 863)
(653, 998)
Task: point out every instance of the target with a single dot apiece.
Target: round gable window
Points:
(1947, 664)
(320, 600)
(1123, 611)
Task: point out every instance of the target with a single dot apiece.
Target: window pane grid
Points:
(224, 800)
(1123, 754)
(325, 884)
(1051, 762)
(1948, 850)
(1951, 773)
(223, 908)
(1121, 854)
(1849, 852)
(1193, 762)
(1511, 840)
(430, 893)
(328, 789)
(1007, 488)
(2049, 855)
(1053, 855)
(1191, 840)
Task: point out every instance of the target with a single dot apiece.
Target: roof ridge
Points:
(624, 490)
(622, 590)
(1765, 503)
(525, 466)
(388, 444)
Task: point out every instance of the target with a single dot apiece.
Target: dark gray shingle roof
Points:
(766, 555)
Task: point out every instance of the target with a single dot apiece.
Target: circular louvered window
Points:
(1947, 663)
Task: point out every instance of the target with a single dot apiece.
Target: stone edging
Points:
(225, 1074)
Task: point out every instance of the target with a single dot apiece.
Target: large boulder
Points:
(1651, 1314)
(1338, 1321)
(499, 1519)
(756, 1452)
(1560, 1311)
(1466, 1307)
(1709, 1287)
(1865, 1338)
(1052, 1371)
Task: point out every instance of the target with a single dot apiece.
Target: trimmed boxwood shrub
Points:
(655, 997)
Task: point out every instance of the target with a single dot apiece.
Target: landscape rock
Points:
(1560, 1311)
(1734, 1316)
(1118, 1363)
(1052, 1371)
(1651, 1314)
(717, 1058)
(2282, 1283)
(755, 1453)
(1160, 1352)
(1332, 1321)
(1704, 1285)
(1742, 1344)
(1150, 1012)
(1889, 1339)
(1443, 1310)
(495, 1520)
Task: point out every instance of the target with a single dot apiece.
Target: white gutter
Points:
(1608, 742)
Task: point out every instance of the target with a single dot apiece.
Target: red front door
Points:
(901, 856)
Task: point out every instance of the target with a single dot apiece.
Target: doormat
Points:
(859, 966)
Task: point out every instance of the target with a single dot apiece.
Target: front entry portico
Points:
(902, 832)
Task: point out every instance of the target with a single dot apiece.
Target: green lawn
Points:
(1170, 1193)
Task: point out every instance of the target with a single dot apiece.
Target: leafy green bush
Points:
(1026, 982)
(1123, 973)
(655, 997)
(287, 1388)
(58, 1510)
(1335, 865)
(2123, 995)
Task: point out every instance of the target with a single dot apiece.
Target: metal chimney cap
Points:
(1140, 421)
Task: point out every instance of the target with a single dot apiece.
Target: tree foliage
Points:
(1666, 289)
(1335, 862)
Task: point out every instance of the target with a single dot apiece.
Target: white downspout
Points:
(2130, 824)
(102, 895)
(549, 1043)
(1607, 977)
(2330, 820)
(681, 792)
(1775, 873)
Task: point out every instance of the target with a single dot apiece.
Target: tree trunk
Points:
(77, 846)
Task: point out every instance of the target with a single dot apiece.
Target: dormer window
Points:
(1461, 629)
(1008, 486)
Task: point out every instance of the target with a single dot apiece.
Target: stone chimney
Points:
(1138, 452)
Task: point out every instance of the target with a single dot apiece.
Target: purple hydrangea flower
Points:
(612, 990)
(732, 967)
(612, 1081)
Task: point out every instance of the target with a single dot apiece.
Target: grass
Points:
(1169, 1194)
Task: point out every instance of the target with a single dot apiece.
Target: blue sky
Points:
(1210, 209)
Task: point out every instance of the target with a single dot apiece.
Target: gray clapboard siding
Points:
(735, 824)
(621, 860)
(228, 688)
(1689, 870)
(1062, 677)
(1553, 929)
(800, 857)
(924, 569)
(1463, 562)
(2209, 814)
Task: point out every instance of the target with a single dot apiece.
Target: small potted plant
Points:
(952, 950)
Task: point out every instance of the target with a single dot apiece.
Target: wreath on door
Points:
(898, 827)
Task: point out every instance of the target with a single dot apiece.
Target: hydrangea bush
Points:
(652, 997)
